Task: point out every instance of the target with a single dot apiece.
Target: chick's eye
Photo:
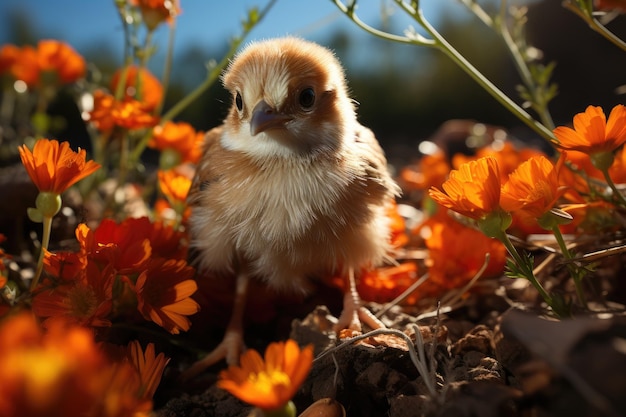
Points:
(238, 101)
(307, 98)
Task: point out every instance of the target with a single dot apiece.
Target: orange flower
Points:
(54, 167)
(86, 300)
(62, 372)
(453, 261)
(582, 161)
(139, 85)
(397, 226)
(508, 156)
(25, 68)
(156, 11)
(62, 59)
(175, 186)
(269, 384)
(533, 188)
(35, 65)
(382, 285)
(149, 367)
(431, 171)
(129, 114)
(592, 132)
(180, 138)
(473, 190)
(163, 293)
(9, 55)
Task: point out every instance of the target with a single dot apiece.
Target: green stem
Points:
(440, 43)
(576, 272)
(167, 69)
(288, 410)
(45, 241)
(443, 45)
(611, 184)
(208, 82)
(525, 269)
(585, 12)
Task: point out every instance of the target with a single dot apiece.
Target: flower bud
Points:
(48, 203)
(494, 224)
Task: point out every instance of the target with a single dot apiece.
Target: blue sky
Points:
(203, 23)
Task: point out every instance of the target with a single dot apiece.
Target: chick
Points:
(290, 187)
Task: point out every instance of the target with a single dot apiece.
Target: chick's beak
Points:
(265, 117)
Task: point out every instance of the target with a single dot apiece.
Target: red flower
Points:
(64, 266)
(86, 300)
(126, 248)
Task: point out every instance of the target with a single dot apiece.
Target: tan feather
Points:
(301, 200)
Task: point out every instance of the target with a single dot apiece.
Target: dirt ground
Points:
(494, 354)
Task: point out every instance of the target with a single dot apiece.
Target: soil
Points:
(486, 357)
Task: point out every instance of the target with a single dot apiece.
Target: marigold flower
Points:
(430, 171)
(9, 54)
(52, 62)
(592, 132)
(381, 285)
(62, 372)
(24, 66)
(174, 186)
(54, 167)
(452, 261)
(582, 161)
(62, 59)
(139, 85)
(149, 366)
(271, 383)
(129, 114)
(473, 190)
(533, 188)
(163, 293)
(156, 11)
(397, 226)
(181, 139)
(509, 157)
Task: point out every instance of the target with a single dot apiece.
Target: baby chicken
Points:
(290, 187)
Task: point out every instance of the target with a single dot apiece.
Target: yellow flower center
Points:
(266, 381)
